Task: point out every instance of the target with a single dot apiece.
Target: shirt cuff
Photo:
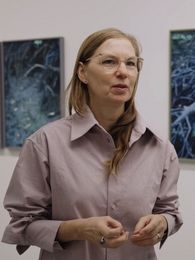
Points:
(170, 225)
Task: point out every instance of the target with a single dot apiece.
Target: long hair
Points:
(79, 96)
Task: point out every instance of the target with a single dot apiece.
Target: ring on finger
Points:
(102, 240)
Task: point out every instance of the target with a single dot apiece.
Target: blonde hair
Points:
(79, 97)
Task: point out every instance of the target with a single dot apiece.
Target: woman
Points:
(99, 184)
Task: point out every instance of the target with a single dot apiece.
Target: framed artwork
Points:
(182, 98)
(32, 87)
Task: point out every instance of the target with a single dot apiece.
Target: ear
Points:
(81, 72)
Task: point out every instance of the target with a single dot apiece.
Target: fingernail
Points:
(135, 232)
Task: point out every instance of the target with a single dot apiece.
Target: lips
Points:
(119, 89)
(120, 86)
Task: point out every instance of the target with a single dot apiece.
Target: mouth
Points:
(120, 89)
(120, 86)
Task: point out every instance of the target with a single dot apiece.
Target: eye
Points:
(109, 61)
(131, 63)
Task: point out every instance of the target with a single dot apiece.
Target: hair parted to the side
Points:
(79, 97)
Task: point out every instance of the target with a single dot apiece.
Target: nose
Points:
(122, 69)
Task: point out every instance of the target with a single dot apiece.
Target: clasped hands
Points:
(108, 232)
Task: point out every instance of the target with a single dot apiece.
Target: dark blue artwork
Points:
(183, 93)
(32, 87)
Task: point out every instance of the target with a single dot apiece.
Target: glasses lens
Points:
(108, 62)
(131, 63)
(112, 63)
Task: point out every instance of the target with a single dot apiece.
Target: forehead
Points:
(116, 46)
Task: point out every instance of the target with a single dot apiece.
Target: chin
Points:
(118, 102)
(121, 100)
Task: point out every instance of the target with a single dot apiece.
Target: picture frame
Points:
(182, 93)
(31, 87)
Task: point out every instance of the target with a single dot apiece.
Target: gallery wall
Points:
(150, 21)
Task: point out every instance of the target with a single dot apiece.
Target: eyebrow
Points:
(112, 55)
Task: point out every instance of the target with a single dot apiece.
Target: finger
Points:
(153, 233)
(144, 234)
(154, 227)
(149, 230)
(146, 242)
(144, 221)
(113, 223)
(114, 232)
(118, 241)
(113, 229)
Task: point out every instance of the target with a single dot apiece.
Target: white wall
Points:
(151, 22)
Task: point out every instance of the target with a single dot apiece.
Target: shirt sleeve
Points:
(28, 201)
(167, 202)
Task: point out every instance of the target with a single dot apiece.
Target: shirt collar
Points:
(82, 124)
(140, 127)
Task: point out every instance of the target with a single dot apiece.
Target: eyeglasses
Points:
(112, 63)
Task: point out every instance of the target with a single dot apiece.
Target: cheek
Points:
(98, 82)
(133, 79)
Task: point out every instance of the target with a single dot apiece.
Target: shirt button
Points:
(114, 205)
(108, 140)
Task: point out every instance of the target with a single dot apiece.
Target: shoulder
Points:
(52, 128)
(50, 134)
(157, 139)
(164, 145)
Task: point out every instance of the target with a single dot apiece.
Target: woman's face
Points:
(110, 73)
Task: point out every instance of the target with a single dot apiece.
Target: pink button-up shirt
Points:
(60, 175)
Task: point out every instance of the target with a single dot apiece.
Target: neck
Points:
(107, 116)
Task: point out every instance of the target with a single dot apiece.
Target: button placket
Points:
(114, 206)
(108, 140)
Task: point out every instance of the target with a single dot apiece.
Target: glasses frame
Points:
(140, 61)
